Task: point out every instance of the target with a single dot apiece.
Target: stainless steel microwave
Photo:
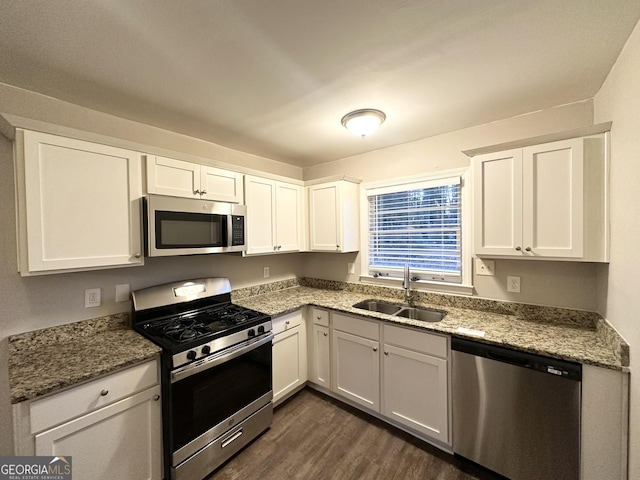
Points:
(188, 226)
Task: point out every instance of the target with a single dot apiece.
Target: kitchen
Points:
(31, 303)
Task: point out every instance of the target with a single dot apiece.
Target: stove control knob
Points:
(206, 350)
(191, 355)
(261, 329)
(251, 332)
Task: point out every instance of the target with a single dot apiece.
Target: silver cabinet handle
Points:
(528, 249)
(156, 398)
(518, 248)
(104, 393)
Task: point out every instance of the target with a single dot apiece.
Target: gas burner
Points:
(183, 329)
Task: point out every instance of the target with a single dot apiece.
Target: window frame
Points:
(464, 288)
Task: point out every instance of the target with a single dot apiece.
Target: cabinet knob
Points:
(275, 247)
(286, 322)
(279, 247)
(528, 249)
(518, 248)
(325, 334)
(137, 255)
(386, 353)
(197, 192)
(375, 349)
(337, 247)
(204, 192)
(156, 398)
(104, 393)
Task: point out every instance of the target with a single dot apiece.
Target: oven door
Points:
(211, 396)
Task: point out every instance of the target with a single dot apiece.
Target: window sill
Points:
(420, 286)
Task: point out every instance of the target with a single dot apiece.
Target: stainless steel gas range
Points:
(216, 372)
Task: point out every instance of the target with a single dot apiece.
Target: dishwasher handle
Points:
(548, 365)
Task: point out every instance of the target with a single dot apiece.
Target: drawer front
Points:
(85, 398)
(412, 339)
(320, 317)
(285, 322)
(356, 326)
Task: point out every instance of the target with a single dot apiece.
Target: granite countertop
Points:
(49, 360)
(559, 333)
(52, 359)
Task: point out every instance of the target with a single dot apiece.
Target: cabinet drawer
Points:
(356, 326)
(85, 398)
(285, 322)
(320, 317)
(415, 340)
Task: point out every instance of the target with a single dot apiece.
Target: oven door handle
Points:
(215, 360)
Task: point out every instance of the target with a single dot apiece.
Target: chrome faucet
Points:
(406, 284)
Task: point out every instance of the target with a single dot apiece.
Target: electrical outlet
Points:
(266, 272)
(513, 284)
(485, 267)
(351, 268)
(91, 297)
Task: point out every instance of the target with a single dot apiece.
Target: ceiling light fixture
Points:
(363, 122)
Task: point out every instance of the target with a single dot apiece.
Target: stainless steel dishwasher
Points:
(515, 413)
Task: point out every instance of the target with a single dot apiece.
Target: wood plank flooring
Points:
(316, 437)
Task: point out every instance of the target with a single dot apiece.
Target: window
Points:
(418, 223)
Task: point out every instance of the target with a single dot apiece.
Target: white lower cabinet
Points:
(415, 381)
(289, 355)
(356, 360)
(110, 427)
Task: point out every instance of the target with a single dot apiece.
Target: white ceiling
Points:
(274, 77)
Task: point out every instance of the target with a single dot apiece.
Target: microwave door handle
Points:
(214, 360)
(229, 233)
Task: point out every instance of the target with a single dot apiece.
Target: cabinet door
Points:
(415, 391)
(260, 197)
(122, 440)
(356, 369)
(289, 369)
(289, 217)
(166, 176)
(498, 203)
(81, 205)
(325, 228)
(321, 356)
(220, 185)
(553, 199)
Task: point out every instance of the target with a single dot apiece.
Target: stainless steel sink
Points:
(423, 314)
(381, 307)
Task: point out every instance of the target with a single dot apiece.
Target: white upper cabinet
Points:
(79, 204)
(275, 216)
(334, 224)
(543, 201)
(166, 176)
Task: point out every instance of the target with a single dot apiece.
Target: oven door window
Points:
(202, 401)
(189, 230)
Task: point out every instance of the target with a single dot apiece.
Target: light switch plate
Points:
(122, 292)
(485, 267)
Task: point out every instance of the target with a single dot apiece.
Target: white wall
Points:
(618, 101)
(561, 284)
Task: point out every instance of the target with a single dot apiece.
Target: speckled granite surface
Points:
(562, 333)
(51, 359)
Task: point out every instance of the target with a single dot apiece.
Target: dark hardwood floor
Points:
(316, 437)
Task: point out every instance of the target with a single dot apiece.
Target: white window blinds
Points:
(419, 224)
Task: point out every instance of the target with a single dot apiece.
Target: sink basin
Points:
(424, 314)
(380, 307)
(421, 314)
